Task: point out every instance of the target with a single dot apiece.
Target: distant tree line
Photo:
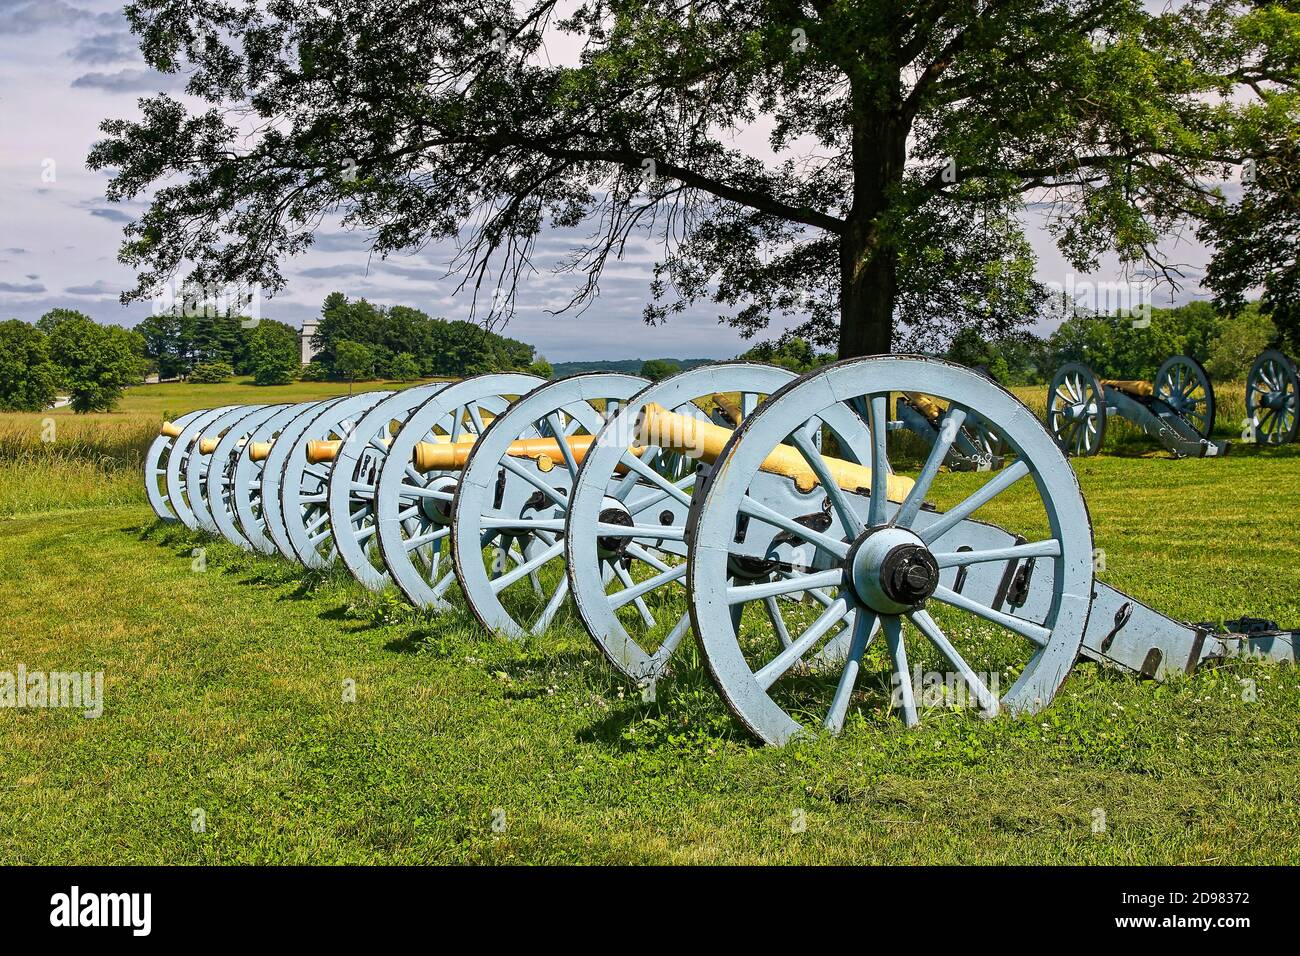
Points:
(67, 352)
(1114, 346)
(358, 339)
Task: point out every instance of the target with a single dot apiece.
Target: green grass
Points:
(224, 693)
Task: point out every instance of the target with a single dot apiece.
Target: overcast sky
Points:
(67, 64)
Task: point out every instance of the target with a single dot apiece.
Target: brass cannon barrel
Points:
(1135, 387)
(259, 450)
(208, 445)
(451, 456)
(693, 436)
(926, 405)
(319, 451)
(170, 429)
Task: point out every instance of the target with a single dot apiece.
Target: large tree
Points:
(97, 362)
(873, 196)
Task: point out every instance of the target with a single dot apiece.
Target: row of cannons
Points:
(1176, 408)
(757, 510)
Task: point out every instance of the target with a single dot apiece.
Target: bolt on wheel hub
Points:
(891, 570)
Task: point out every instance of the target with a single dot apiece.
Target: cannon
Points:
(414, 507)
(1271, 389)
(755, 509)
(156, 460)
(1176, 409)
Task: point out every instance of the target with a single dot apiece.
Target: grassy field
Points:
(225, 684)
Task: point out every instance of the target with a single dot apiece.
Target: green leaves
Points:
(766, 150)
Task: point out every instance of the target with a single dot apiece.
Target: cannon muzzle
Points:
(321, 451)
(170, 429)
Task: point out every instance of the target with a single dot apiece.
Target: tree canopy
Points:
(875, 200)
(27, 376)
(98, 362)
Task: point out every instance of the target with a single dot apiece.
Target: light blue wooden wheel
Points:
(509, 515)
(414, 507)
(1272, 388)
(221, 473)
(1076, 409)
(196, 468)
(355, 478)
(887, 563)
(246, 483)
(1182, 383)
(629, 585)
(155, 468)
(304, 486)
(273, 476)
(178, 460)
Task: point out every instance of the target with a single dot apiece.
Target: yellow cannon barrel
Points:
(208, 445)
(1131, 386)
(926, 405)
(688, 435)
(259, 450)
(320, 451)
(170, 429)
(730, 410)
(451, 456)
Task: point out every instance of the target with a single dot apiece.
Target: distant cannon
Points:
(1271, 390)
(1176, 409)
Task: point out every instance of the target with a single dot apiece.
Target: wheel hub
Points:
(435, 509)
(613, 511)
(891, 570)
(1274, 400)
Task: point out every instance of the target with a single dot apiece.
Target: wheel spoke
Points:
(552, 607)
(619, 598)
(774, 669)
(762, 512)
(863, 628)
(778, 622)
(948, 429)
(521, 570)
(987, 492)
(666, 649)
(527, 474)
(1027, 629)
(646, 616)
(926, 625)
(645, 471)
(570, 462)
(741, 593)
(1050, 548)
(419, 541)
(877, 417)
(848, 517)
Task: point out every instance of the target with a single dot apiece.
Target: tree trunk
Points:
(868, 256)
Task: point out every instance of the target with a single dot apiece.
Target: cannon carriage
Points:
(1176, 408)
(756, 509)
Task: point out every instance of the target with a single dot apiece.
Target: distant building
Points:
(308, 330)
